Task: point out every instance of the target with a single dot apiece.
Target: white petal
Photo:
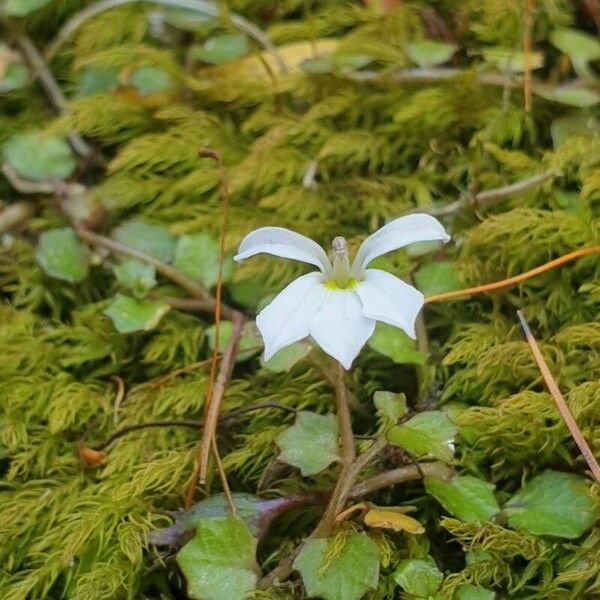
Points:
(386, 298)
(340, 327)
(397, 234)
(285, 243)
(288, 317)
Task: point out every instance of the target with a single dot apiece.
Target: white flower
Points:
(339, 305)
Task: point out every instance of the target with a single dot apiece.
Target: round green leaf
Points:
(21, 8)
(467, 498)
(311, 444)
(198, 257)
(393, 406)
(429, 433)
(150, 239)
(347, 576)
(395, 344)
(468, 591)
(221, 49)
(429, 53)
(94, 80)
(576, 43)
(62, 255)
(136, 276)
(151, 80)
(39, 157)
(129, 314)
(250, 342)
(286, 358)
(436, 278)
(572, 95)
(421, 578)
(553, 503)
(219, 563)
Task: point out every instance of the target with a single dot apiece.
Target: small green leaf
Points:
(94, 80)
(514, 62)
(311, 444)
(576, 43)
(189, 20)
(286, 358)
(347, 576)
(151, 80)
(219, 563)
(436, 278)
(15, 77)
(319, 65)
(247, 292)
(61, 254)
(395, 344)
(39, 157)
(429, 53)
(21, 8)
(129, 314)
(136, 276)
(391, 405)
(467, 498)
(198, 257)
(468, 591)
(429, 433)
(250, 341)
(150, 239)
(419, 577)
(246, 506)
(576, 123)
(553, 503)
(572, 95)
(221, 49)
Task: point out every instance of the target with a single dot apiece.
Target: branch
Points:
(52, 89)
(207, 8)
(489, 287)
(193, 424)
(560, 401)
(164, 269)
(488, 197)
(395, 476)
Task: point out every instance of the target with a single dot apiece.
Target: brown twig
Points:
(15, 214)
(496, 285)
(487, 198)
(164, 269)
(527, 33)
(52, 89)
(227, 363)
(197, 305)
(118, 381)
(60, 188)
(194, 424)
(560, 401)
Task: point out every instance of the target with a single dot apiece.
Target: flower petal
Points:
(340, 327)
(386, 298)
(288, 317)
(285, 243)
(397, 234)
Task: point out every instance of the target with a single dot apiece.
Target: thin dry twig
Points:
(527, 33)
(227, 363)
(496, 285)
(207, 8)
(559, 400)
(164, 269)
(118, 381)
(52, 89)
(487, 198)
(194, 424)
